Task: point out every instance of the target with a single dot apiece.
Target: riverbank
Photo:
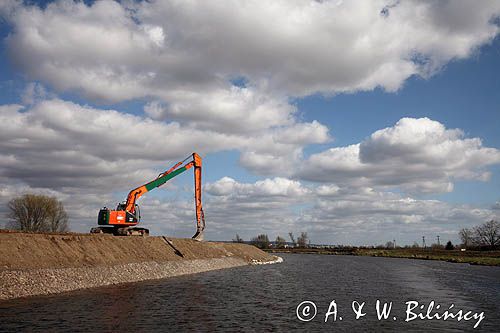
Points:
(486, 258)
(39, 264)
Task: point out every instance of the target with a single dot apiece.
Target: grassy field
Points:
(487, 258)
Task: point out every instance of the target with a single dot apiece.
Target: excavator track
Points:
(126, 231)
(132, 232)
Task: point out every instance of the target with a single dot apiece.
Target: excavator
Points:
(122, 220)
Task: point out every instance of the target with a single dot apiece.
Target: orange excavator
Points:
(122, 221)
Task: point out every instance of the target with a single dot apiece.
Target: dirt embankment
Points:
(34, 264)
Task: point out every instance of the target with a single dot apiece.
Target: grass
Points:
(487, 258)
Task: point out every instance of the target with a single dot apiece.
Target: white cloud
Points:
(59, 144)
(232, 110)
(331, 213)
(186, 53)
(270, 163)
(250, 208)
(417, 155)
(279, 152)
(313, 132)
(370, 217)
(155, 33)
(86, 157)
(263, 188)
(182, 57)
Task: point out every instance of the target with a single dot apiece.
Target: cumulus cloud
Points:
(332, 213)
(279, 151)
(122, 51)
(60, 144)
(263, 188)
(68, 150)
(64, 149)
(232, 110)
(366, 216)
(417, 155)
(183, 59)
(250, 208)
(184, 56)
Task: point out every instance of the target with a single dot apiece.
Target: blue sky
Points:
(322, 122)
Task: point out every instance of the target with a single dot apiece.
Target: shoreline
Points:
(482, 258)
(43, 264)
(47, 281)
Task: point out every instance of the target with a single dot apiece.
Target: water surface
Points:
(265, 298)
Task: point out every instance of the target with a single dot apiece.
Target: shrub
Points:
(261, 241)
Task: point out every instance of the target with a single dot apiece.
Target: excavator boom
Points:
(127, 214)
(200, 216)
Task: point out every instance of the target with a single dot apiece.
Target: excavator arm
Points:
(130, 205)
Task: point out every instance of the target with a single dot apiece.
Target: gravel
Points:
(30, 282)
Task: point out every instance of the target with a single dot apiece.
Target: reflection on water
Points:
(265, 298)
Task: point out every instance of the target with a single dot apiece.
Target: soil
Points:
(39, 264)
(31, 250)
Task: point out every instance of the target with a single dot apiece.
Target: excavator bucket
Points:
(198, 236)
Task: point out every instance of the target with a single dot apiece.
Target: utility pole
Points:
(438, 240)
(423, 242)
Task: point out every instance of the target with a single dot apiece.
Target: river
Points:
(265, 298)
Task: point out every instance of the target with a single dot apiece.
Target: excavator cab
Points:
(137, 211)
(121, 206)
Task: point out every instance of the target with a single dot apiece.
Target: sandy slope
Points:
(34, 264)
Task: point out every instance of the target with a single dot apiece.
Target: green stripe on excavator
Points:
(162, 180)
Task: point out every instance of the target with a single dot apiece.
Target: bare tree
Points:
(292, 238)
(389, 245)
(33, 212)
(303, 239)
(280, 242)
(238, 239)
(58, 218)
(466, 236)
(488, 233)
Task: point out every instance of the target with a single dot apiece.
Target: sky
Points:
(358, 122)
